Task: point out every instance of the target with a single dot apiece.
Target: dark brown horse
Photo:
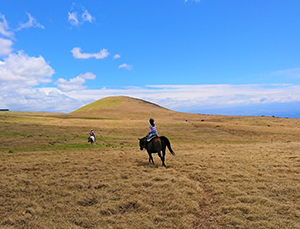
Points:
(156, 145)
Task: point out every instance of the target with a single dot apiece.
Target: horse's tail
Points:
(168, 144)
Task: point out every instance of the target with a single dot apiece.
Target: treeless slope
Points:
(121, 107)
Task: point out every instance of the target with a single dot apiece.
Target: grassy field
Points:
(228, 172)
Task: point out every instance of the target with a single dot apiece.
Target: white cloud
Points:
(197, 97)
(71, 94)
(210, 96)
(126, 66)
(31, 99)
(20, 69)
(72, 18)
(79, 55)
(4, 28)
(293, 73)
(5, 46)
(88, 76)
(86, 16)
(117, 56)
(19, 73)
(32, 22)
(74, 83)
(79, 15)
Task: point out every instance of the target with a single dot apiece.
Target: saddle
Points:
(153, 136)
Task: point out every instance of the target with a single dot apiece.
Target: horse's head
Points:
(142, 143)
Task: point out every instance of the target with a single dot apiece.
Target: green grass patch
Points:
(90, 118)
(106, 102)
(69, 146)
(28, 119)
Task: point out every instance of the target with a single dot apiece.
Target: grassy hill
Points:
(228, 172)
(121, 107)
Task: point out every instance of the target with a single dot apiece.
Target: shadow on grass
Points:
(150, 165)
(145, 163)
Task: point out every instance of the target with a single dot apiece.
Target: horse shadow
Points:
(147, 164)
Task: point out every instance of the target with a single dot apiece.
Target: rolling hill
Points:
(122, 107)
(228, 172)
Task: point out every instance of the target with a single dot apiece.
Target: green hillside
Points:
(121, 107)
(105, 102)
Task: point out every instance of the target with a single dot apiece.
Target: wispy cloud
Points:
(79, 55)
(87, 17)
(32, 22)
(293, 73)
(192, 0)
(4, 28)
(117, 56)
(5, 31)
(72, 18)
(79, 15)
(126, 66)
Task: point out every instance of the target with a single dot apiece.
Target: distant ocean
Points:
(280, 110)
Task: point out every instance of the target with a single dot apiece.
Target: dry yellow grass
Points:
(228, 172)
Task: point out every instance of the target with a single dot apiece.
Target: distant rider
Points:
(92, 134)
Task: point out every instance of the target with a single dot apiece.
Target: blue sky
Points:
(205, 56)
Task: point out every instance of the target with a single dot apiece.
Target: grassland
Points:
(228, 172)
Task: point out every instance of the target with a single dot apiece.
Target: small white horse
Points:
(91, 139)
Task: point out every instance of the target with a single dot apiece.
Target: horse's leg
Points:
(151, 158)
(163, 155)
(162, 158)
